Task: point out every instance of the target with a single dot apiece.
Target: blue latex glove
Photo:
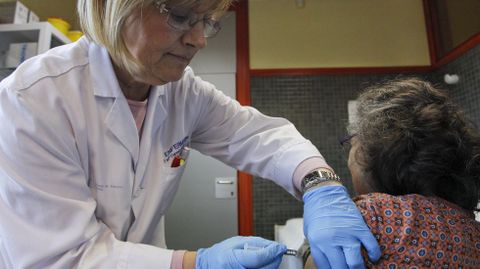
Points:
(230, 254)
(336, 230)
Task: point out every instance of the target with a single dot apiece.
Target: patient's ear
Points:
(356, 170)
(361, 180)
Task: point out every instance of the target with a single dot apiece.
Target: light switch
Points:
(225, 187)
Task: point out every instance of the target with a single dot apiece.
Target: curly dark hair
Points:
(414, 139)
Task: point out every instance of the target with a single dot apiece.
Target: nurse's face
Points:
(163, 50)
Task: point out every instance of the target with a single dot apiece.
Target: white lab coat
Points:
(78, 189)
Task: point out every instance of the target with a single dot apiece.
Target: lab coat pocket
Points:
(152, 200)
(173, 171)
(170, 181)
(178, 162)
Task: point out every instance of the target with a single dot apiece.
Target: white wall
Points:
(197, 218)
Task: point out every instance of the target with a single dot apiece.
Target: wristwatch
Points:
(316, 177)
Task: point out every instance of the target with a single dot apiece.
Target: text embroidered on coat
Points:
(174, 149)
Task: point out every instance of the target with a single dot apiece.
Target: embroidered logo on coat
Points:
(175, 149)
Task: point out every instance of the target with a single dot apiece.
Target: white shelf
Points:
(45, 34)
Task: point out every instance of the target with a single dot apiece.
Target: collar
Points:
(105, 82)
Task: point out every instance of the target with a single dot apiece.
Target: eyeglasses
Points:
(182, 19)
(345, 142)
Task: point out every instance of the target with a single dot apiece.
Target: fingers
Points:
(372, 247)
(255, 241)
(246, 242)
(240, 253)
(353, 257)
(350, 257)
(239, 242)
(268, 255)
(320, 260)
(336, 257)
(274, 264)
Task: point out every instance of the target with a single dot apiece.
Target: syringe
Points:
(289, 252)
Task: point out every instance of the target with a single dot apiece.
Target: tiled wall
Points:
(467, 91)
(317, 105)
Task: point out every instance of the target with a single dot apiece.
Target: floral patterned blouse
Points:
(415, 231)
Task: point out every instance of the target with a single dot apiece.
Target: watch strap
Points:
(317, 177)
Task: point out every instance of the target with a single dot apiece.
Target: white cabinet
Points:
(43, 33)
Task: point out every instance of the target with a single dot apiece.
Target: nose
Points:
(195, 37)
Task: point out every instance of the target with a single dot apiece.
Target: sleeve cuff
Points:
(306, 167)
(177, 259)
(146, 256)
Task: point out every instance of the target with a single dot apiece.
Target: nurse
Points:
(94, 138)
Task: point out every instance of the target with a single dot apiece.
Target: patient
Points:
(415, 162)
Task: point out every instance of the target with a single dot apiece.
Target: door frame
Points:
(245, 194)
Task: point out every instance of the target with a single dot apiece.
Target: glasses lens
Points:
(345, 142)
(184, 19)
(179, 18)
(211, 27)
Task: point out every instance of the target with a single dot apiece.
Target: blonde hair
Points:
(102, 22)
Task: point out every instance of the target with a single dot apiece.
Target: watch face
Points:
(310, 177)
(316, 177)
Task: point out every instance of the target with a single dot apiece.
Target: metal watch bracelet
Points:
(317, 177)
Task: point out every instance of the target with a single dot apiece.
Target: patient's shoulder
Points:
(387, 214)
(405, 205)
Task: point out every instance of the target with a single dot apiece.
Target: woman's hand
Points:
(232, 254)
(336, 230)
